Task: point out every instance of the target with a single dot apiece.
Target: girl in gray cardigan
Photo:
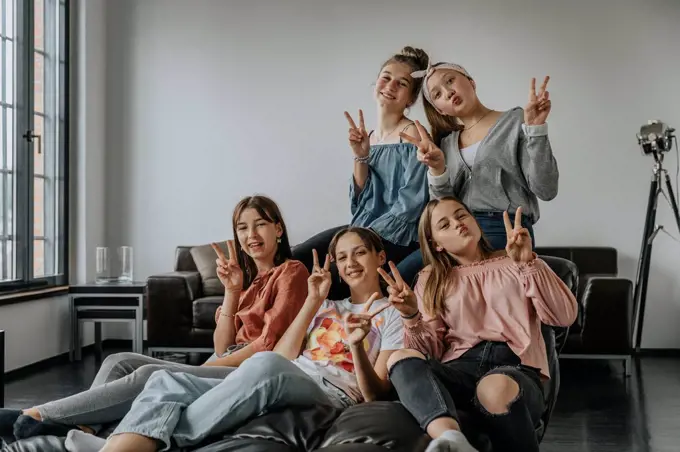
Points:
(493, 161)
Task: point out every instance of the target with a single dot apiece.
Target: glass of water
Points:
(125, 255)
(103, 266)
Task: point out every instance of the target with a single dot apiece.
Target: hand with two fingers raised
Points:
(539, 104)
(518, 246)
(400, 294)
(428, 152)
(358, 137)
(228, 270)
(319, 281)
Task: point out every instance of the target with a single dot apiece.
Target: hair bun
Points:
(419, 55)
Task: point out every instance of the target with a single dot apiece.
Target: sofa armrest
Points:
(169, 310)
(608, 314)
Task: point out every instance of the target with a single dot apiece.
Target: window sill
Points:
(30, 295)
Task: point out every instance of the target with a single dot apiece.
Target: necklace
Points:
(484, 116)
(380, 141)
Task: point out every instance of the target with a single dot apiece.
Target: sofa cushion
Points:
(295, 429)
(35, 444)
(204, 312)
(204, 258)
(247, 445)
(385, 424)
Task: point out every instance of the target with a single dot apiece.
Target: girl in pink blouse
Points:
(473, 330)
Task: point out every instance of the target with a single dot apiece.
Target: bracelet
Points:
(413, 316)
(361, 159)
(222, 314)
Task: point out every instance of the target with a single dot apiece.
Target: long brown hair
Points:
(439, 281)
(416, 60)
(270, 212)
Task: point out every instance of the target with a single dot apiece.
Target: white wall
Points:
(39, 329)
(208, 101)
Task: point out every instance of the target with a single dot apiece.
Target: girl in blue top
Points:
(388, 190)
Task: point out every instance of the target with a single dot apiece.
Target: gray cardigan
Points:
(514, 166)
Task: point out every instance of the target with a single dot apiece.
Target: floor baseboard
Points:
(118, 344)
(22, 372)
(63, 358)
(660, 352)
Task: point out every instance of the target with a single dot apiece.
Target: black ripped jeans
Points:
(430, 390)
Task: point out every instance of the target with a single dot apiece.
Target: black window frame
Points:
(23, 237)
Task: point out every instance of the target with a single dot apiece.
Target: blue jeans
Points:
(187, 409)
(492, 226)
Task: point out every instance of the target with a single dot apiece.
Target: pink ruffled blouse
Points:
(494, 300)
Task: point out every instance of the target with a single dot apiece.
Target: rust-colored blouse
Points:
(268, 307)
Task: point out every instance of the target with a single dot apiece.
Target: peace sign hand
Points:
(359, 325)
(319, 281)
(538, 108)
(358, 138)
(400, 294)
(228, 270)
(519, 241)
(428, 152)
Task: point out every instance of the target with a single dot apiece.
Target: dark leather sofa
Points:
(375, 426)
(604, 326)
(181, 317)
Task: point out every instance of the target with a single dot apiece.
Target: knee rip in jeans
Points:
(507, 405)
(401, 356)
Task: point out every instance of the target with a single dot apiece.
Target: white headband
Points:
(427, 73)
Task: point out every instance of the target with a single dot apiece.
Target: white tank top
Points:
(469, 153)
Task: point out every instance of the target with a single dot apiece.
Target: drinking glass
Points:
(125, 255)
(103, 266)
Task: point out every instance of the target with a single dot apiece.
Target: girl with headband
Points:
(493, 161)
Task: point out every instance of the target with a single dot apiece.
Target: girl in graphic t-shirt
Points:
(334, 353)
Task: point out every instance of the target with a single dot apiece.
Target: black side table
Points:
(111, 302)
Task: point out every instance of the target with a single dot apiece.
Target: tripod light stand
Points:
(655, 139)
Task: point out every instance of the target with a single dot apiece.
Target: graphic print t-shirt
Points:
(327, 351)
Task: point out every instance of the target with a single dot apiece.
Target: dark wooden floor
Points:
(597, 410)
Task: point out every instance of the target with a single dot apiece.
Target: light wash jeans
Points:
(187, 409)
(120, 379)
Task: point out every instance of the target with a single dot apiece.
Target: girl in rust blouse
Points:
(264, 291)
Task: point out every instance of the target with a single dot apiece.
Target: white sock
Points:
(450, 441)
(79, 441)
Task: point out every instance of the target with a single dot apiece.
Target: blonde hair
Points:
(441, 263)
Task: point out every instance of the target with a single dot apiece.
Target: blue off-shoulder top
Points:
(395, 193)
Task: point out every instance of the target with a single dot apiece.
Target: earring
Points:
(278, 240)
(440, 249)
(407, 110)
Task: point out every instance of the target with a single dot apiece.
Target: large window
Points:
(33, 143)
